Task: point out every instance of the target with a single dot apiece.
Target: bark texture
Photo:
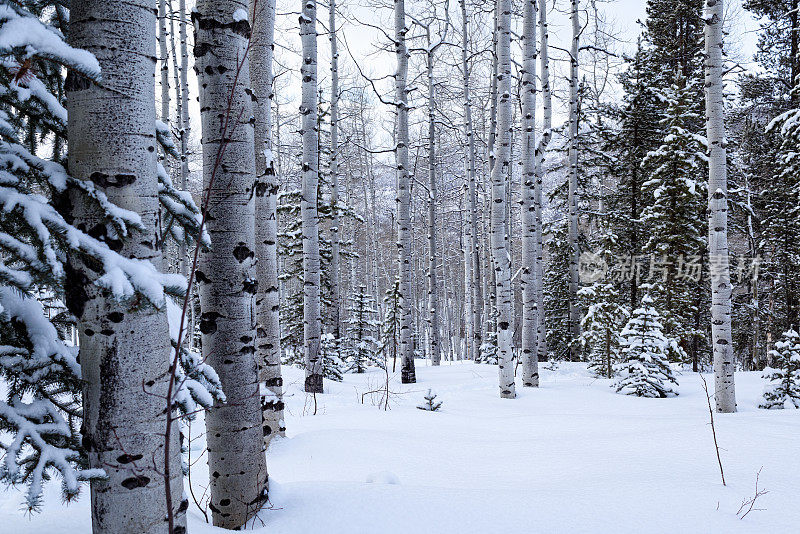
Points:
(163, 59)
(124, 346)
(268, 332)
(541, 148)
(336, 298)
(433, 283)
(226, 273)
(572, 195)
(407, 371)
(722, 347)
(312, 318)
(499, 237)
(530, 312)
(473, 294)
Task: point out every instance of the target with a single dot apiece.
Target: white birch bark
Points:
(725, 392)
(334, 166)
(268, 330)
(530, 315)
(499, 214)
(541, 148)
(572, 198)
(312, 318)
(407, 371)
(164, 69)
(433, 289)
(472, 293)
(226, 273)
(124, 347)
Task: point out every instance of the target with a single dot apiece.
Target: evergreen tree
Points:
(362, 347)
(331, 362)
(601, 325)
(390, 327)
(430, 404)
(638, 133)
(645, 371)
(784, 376)
(487, 352)
(290, 246)
(556, 290)
(675, 201)
(780, 219)
(674, 38)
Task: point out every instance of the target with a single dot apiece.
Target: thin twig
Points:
(713, 428)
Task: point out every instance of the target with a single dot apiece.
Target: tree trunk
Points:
(499, 237)
(541, 148)
(722, 347)
(572, 200)
(530, 360)
(407, 372)
(334, 267)
(124, 347)
(164, 69)
(433, 289)
(312, 318)
(268, 331)
(226, 273)
(473, 294)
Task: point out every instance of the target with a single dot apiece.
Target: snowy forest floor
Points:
(571, 456)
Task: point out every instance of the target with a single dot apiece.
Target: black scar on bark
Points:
(118, 180)
(75, 290)
(87, 442)
(201, 277)
(225, 502)
(241, 252)
(250, 286)
(129, 458)
(183, 507)
(208, 322)
(136, 481)
(241, 27)
(262, 497)
(116, 317)
(76, 82)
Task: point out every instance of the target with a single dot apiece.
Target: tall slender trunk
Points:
(124, 347)
(312, 318)
(530, 315)
(227, 272)
(541, 148)
(408, 373)
(721, 342)
(163, 59)
(433, 289)
(334, 267)
(572, 199)
(473, 294)
(493, 89)
(185, 124)
(499, 237)
(268, 330)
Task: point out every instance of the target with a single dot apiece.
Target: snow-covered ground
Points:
(572, 456)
